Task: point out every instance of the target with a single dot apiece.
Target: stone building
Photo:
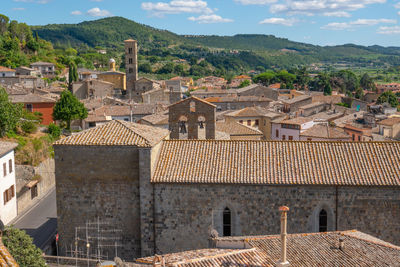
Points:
(166, 195)
(190, 116)
(131, 64)
(91, 88)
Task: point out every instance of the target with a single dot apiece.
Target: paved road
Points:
(40, 222)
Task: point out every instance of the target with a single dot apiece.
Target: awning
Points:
(32, 184)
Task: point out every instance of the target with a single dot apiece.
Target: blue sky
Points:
(321, 22)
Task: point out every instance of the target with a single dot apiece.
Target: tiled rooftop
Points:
(322, 249)
(390, 121)
(297, 99)
(117, 133)
(236, 128)
(249, 112)
(324, 131)
(31, 98)
(5, 147)
(6, 260)
(279, 162)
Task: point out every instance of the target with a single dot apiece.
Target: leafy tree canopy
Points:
(388, 97)
(69, 108)
(20, 245)
(10, 114)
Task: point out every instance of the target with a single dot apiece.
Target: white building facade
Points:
(8, 198)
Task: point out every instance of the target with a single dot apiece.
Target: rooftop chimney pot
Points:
(341, 243)
(283, 261)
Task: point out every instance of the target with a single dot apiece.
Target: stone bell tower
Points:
(131, 64)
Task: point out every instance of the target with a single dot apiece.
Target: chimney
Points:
(341, 243)
(283, 261)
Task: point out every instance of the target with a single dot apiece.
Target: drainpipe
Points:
(283, 261)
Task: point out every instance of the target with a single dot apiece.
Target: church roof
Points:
(117, 133)
(236, 128)
(193, 98)
(279, 162)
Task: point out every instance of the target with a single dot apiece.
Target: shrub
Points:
(37, 144)
(54, 130)
(28, 127)
(22, 249)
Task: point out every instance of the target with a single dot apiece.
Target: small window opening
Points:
(323, 221)
(227, 225)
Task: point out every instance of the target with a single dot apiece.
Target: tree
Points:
(388, 97)
(3, 23)
(302, 77)
(145, 67)
(359, 93)
(244, 83)
(20, 246)
(265, 78)
(69, 108)
(72, 75)
(10, 113)
(367, 83)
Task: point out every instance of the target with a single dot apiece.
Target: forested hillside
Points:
(18, 46)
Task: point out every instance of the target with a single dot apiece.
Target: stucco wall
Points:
(8, 211)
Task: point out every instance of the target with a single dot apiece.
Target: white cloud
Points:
(397, 5)
(76, 13)
(389, 30)
(19, 8)
(256, 2)
(206, 19)
(97, 12)
(279, 21)
(340, 14)
(177, 7)
(357, 23)
(321, 7)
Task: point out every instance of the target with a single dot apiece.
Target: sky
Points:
(319, 22)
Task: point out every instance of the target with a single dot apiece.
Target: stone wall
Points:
(184, 214)
(99, 182)
(236, 105)
(24, 175)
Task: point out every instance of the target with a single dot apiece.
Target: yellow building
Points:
(115, 77)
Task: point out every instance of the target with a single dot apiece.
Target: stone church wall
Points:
(185, 213)
(98, 182)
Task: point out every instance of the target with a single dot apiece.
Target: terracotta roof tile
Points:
(327, 132)
(322, 249)
(5, 147)
(6, 260)
(390, 121)
(279, 162)
(117, 133)
(236, 128)
(4, 69)
(31, 98)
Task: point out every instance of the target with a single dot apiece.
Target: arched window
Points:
(192, 106)
(323, 221)
(227, 224)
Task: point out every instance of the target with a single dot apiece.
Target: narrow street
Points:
(40, 222)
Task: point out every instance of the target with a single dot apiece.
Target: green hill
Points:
(254, 49)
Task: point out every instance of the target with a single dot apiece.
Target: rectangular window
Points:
(34, 191)
(241, 121)
(10, 166)
(256, 123)
(277, 133)
(4, 169)
(283, 137)
(129, 50)
(12, 191)
(359, 138)
(248, 122)
(130, 60)
(5, 197)
(353, 137)
(309, 139)
(290, 138)
(29, 107)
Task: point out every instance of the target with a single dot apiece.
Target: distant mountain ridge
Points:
(111, 32)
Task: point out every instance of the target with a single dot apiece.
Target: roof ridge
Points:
(384, 244)
(284, 141)
(141, 136)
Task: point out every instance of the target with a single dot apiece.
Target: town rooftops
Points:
(6, 147)
(390, 121)
(249, 98)
(279, 163)
(156, 119)
(117, 133)
(31, 98)
(4, 69)
(312, 105)
(193, 98)
(314, 249)
(326, 132)
(323, 249)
